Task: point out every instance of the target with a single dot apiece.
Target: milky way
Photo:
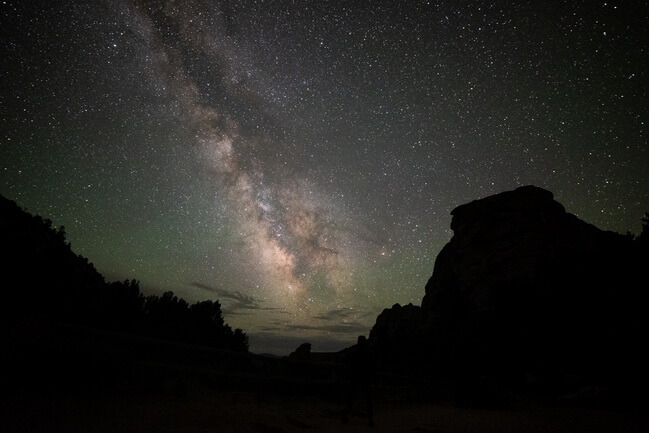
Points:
(290, 234)
(299, 161)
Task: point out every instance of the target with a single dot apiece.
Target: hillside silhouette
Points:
(45, 282)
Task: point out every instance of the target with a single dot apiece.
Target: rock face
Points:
(525, 289)
(521, 238)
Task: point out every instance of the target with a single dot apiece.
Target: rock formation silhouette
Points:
(526, 294)
(302, 352)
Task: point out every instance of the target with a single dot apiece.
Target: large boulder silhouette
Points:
(398, 331)
(526, 292)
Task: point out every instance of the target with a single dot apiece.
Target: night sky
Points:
(298, 160)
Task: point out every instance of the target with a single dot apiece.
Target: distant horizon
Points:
(285, 346)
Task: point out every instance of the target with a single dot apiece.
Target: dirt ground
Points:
(248, 412)
(98, 384)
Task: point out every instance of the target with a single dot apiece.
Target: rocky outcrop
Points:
(303, 352)
(398, 330)
(525, 290)
(519, 238)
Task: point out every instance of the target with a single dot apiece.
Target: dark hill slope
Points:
(41, 275)
(45, 282)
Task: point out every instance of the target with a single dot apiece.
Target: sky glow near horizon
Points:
(299, 161)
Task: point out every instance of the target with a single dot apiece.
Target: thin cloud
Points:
(239, 300)
(338, 328)
(342, 314)
(269, 329)
(235, 312)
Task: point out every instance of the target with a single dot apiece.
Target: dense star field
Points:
(299, 161)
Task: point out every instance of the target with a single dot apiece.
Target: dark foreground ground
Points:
(244, 412)
(81, 380)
